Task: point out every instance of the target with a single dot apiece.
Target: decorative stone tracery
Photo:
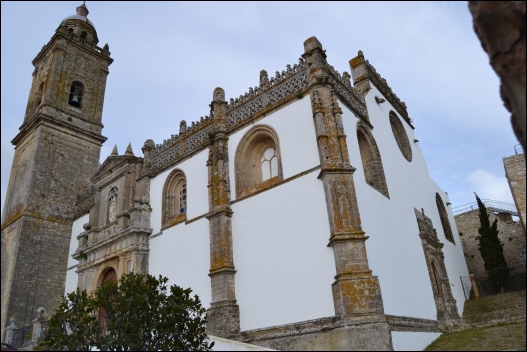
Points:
(257, 162)
(401, 138)
(174, 199)
(445, 223)
(447, 313)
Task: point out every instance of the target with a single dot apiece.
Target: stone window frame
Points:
(371, 160)
(400, 135)
(247, 160)
(443, 216)
(175, 183)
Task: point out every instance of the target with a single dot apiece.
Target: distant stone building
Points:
(302, 212)
(510, 234)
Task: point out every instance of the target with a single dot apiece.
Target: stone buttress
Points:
(224, 315)
(356, 293)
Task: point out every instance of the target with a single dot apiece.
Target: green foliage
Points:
(72, 327)
(491, 248)
(141, 315)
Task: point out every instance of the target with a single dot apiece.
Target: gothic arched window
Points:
(443, 215)
(174, 199)
(76, 93)
(400, 136)
(257, 161)
(371, 160)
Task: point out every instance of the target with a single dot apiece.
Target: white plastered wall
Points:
(395, 252)
(71, 275)
(284, 267)
(182, 252)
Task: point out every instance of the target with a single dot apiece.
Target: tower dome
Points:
(80, 25)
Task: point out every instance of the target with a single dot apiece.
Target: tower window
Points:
(40, 93)
(76, 93)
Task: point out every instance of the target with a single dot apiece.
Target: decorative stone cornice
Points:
(363, 73)
(291, 83)
(346, 93)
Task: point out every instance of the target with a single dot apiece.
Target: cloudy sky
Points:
(169, 57)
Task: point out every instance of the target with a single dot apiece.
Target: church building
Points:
(301, 212)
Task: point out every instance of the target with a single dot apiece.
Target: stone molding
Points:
(363, 73)
(328, 334)
(447, 313)
(400, 323)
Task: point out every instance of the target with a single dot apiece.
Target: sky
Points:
(169, 57)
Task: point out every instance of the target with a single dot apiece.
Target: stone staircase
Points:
(505, 307)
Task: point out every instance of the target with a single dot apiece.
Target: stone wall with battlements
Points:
(510, 234)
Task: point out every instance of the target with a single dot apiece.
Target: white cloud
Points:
(490, 186)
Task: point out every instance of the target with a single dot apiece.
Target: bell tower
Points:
(56, 152)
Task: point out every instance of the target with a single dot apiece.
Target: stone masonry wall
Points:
(515, 172)
(510, 234)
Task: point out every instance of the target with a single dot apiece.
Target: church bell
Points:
(75, 99)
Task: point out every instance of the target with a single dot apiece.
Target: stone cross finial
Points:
(114, 151)
(129, 151)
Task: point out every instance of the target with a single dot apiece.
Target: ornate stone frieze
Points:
(190, 138)
(346, 93)
(447, 313)
(270, 91)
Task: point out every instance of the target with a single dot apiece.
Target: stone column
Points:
(356, 293)
(224, 314)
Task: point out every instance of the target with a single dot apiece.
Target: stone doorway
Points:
(447, 313)
(111, 275)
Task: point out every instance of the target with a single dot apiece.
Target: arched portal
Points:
(110, 275)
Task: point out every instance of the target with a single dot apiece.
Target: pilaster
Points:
(224, 315)
(356, 292)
